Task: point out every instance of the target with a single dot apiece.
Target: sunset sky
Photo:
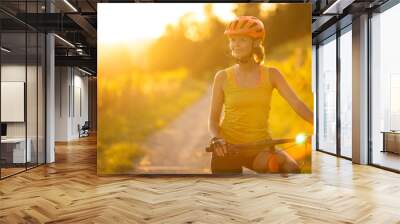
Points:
(126, 22)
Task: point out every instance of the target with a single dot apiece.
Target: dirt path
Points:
(179, 147)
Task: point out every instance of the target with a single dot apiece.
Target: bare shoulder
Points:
(272, 71)
(220, 77)
(274, 75)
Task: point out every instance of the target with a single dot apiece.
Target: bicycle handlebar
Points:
(265, 143)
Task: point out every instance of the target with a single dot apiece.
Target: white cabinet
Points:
(17, 146)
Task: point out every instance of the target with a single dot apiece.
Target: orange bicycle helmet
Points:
(246, 25)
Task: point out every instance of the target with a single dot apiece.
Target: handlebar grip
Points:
(209, 149)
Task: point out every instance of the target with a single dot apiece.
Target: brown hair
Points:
(259, 54)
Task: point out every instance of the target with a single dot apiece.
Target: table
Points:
(391, 141)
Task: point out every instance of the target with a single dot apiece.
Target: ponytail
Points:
(259, 53)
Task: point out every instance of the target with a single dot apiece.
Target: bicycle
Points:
(267, 146)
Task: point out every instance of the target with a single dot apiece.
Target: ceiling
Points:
(76, 22)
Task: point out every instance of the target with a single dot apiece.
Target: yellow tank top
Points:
(246, 110)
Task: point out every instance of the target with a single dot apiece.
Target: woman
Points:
(245, 90)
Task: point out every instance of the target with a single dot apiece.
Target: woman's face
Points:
(241, 46)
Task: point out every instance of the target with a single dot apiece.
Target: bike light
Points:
(301, 138)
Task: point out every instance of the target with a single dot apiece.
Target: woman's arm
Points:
(217, 100)
(290, 96)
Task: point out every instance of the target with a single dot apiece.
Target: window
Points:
(327, 95)
(23, 88)
(385, 88)
(346, 93)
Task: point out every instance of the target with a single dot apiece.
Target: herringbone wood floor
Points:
(69, 191)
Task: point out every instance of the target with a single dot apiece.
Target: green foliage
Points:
(141, 91)
(132, 106)
(203, 48)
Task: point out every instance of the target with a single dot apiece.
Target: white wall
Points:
(71, 87)
(80, 94)
(62, 81)
(33, 127)
(13, 73)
